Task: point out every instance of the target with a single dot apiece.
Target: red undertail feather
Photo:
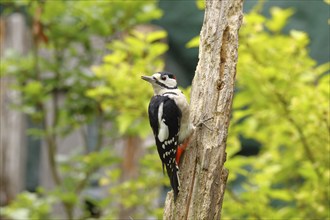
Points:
(180, 150)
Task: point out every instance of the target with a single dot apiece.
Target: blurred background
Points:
(75, 137)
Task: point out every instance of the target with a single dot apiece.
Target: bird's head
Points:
(161, 80)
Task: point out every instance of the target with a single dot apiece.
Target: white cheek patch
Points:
(171, 82)
(163, 129)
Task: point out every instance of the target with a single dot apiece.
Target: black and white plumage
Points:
(169, 119)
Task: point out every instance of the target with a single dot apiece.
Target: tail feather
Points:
(173, 174)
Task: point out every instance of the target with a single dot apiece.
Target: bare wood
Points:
(203, 176)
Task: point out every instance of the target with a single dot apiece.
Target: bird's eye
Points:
(163, 77)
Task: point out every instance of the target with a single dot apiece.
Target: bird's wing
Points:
(165, 117)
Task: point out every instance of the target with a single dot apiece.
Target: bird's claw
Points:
(199, 124)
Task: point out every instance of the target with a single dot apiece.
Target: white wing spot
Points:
(163, 129)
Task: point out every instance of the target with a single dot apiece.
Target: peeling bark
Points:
(203, 176)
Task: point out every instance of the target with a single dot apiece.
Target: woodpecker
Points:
(169, 119)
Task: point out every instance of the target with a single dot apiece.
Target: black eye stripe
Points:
(167, 74)
(163, 79)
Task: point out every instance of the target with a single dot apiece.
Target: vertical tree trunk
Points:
(133, 152)
(203, 176)
(12, 123)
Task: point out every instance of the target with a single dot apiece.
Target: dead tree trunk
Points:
(203, 176)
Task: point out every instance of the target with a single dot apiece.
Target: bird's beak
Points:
(148, 78)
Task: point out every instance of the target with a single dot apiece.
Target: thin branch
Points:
(50, 138)
(301, 134)
(58, 63)
(100, 132)
(288, 116)
(51, 142)
(234, 196)
(99, 142)
(83, 133)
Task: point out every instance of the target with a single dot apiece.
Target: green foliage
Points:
(137, 54)
(58, 70)
(139, 193)
(103, 18)
(279, 18)
(193, 42)
(200, 4)
(29, 206)
(282, 101)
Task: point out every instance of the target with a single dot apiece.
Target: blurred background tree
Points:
(82, 76)
(62, 96)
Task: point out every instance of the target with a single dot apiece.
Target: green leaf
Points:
(200, 4)
(115, 58)
(279, 18)
(300, 37)
(33, 88)
(156, 35)
(124, 122)
(193, 42)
